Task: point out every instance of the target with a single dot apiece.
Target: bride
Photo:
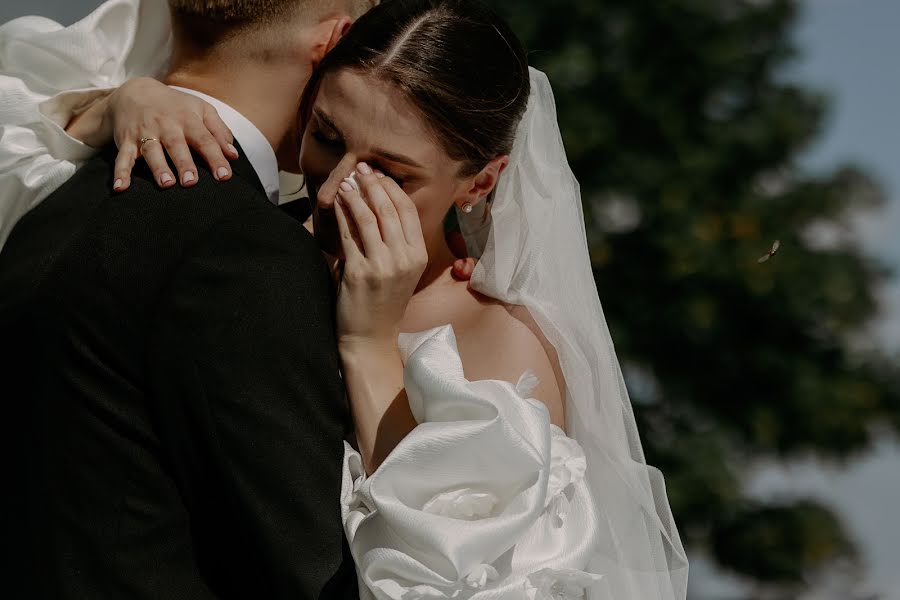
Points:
(496, 452)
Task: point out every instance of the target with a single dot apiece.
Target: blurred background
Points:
(702, 131)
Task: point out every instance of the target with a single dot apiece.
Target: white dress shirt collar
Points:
(254, 144)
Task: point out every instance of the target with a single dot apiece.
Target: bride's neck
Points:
(440, 260)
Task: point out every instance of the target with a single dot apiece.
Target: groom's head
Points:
(257, 54)
(255, 28)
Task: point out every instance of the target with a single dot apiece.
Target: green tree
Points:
(684, 138)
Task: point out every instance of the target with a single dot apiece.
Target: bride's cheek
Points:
(315, 164)
(433, 209)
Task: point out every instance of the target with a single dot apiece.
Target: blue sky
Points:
(850, 49)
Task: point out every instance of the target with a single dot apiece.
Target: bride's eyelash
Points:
(399, 180)
(335, 142)
(331, 141)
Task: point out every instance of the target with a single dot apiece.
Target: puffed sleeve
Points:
(48, 73)
(485, 498)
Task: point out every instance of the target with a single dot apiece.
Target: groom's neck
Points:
(266, 93)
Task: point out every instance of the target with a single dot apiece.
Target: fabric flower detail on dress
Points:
(359, 499)
(465, 504)
(559, 584)
(481, 576)
(527, 383)
(567, 467)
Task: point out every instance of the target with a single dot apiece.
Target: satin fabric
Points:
(48, 73)
(485, 499)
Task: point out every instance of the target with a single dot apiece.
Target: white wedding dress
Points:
(485, 499)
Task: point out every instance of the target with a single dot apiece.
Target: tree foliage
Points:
(684, 136)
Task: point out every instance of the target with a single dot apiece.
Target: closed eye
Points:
(400, 180)
(325, 134)
(325, 139)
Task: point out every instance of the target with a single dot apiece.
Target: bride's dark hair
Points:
(456, 60)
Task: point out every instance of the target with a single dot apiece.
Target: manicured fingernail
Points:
(188, 177)
(165, 178)
(346, 187)
(379, 175)
(221, 172)
(364, 168)
(233, 150)
(117, 184)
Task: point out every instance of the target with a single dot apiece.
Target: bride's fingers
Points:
(219, 130)
(363, 218)
(125, 160)
(176, 147)
(406, 211)
(463, 268)
(350, 242)
(383, 207)
(202, 141)
(327, 192)
(152, 151)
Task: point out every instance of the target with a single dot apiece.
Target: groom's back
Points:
(174, 411)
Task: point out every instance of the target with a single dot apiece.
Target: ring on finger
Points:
(144, 140)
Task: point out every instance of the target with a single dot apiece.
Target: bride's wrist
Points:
(93, 125)
(354, 349)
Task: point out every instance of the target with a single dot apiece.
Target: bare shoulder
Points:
(502, 342)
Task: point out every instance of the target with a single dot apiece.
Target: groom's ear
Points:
(328, 34)
(486, 180)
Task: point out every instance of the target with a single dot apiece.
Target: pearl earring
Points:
(467, 207)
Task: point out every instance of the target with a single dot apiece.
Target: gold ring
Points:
(144, 141)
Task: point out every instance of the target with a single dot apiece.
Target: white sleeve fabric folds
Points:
(48, 73)
(485, 499)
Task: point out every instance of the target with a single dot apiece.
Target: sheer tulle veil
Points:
(534, 253)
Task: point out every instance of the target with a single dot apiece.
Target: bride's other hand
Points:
(385, 256)
(172, 121)
(464, 265)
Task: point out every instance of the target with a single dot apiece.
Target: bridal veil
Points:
(535, 254)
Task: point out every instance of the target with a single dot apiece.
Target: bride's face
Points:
(356, 118)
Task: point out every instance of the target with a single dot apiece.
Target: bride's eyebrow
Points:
(397, 158)
(386, 154)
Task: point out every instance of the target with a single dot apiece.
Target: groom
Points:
(174, 415)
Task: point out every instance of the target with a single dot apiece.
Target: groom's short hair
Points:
(255, 12)
(234, 12)
(252, 24)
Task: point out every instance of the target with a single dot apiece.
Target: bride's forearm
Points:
(92, 125)
(381, 414)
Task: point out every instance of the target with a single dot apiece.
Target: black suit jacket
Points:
(173, 412)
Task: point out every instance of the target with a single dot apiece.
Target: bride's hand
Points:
(464, 265)
(146, 108)
(385, 256)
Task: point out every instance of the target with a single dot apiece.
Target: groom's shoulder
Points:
(179, 213)
(151, 230)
